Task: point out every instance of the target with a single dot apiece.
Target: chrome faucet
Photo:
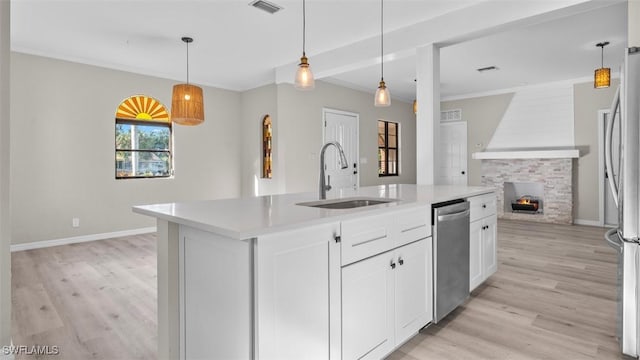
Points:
(343, 162)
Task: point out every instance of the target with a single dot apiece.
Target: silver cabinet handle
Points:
(393, 264)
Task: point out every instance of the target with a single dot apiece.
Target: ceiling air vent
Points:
(488, 68)
(269, 7)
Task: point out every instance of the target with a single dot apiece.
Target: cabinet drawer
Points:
(365, 237)
(482, 206)
(412, 225)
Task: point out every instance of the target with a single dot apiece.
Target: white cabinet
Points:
(367, 306)
(413, 290)
(298, 294)
(489, 246)
(385, 300)
(215, 296)
(483, 260)
(475, 254)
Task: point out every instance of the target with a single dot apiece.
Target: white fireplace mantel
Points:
(526, 154)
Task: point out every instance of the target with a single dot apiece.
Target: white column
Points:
(428, 116)
(5, 193)
(168, 291)
(634, 23)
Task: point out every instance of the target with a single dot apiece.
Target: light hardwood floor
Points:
(553, 297)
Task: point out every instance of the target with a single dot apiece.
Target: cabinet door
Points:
(476, 276)
(489, 247)
(295, 286)
(410, 290)
(367, 308)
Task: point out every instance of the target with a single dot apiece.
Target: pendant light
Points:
(304, 76)
(187, 107)
(382, 94)
(602, 76)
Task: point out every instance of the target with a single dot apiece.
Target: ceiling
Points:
(238, 47)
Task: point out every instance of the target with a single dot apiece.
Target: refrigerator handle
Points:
(608, 156)
(614, 240)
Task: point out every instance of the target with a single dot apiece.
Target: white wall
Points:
(257, 103)
(5, 192)
(482, 114)
(588, 101)
(62, 153)
(538, 116)
(634, 22)
(300, 133)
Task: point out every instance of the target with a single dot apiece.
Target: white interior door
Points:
(453, 153)
(610, 210)
(342, 127)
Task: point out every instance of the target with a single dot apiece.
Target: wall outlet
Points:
(75, 222)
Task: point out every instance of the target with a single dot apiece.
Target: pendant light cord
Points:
(382, 40)
(304, 27)
(187, 62)
(602, 56)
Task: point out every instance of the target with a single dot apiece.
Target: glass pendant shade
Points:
(304, 77)
(602, 78)
(382, 95)
(187, 105)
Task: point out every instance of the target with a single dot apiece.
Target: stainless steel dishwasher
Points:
(450, 222)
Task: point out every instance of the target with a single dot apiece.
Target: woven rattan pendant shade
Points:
(187, 104)
(602, 78)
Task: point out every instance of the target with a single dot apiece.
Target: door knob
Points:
(463, 172)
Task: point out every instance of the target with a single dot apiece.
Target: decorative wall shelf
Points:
(527, 154)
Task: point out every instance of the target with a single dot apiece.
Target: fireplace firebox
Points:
(523, 197)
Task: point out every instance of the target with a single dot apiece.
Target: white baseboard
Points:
(80, 239)
(587, 222)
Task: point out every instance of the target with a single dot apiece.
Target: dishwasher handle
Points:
(454, 216)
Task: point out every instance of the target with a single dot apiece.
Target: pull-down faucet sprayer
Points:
(343, 163)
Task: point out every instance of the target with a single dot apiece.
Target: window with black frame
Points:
(142, 139)
(388, 148)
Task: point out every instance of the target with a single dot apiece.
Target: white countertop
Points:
(246, 218)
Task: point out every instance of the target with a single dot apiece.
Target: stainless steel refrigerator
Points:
(626, 191)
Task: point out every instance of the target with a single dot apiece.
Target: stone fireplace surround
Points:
(554, 173)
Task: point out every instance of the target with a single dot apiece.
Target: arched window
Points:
(143, 139)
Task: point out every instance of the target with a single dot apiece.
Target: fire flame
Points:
(528, 201)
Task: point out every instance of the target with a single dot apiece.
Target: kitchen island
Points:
(267, 278)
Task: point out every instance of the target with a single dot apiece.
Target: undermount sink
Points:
(347, 203)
